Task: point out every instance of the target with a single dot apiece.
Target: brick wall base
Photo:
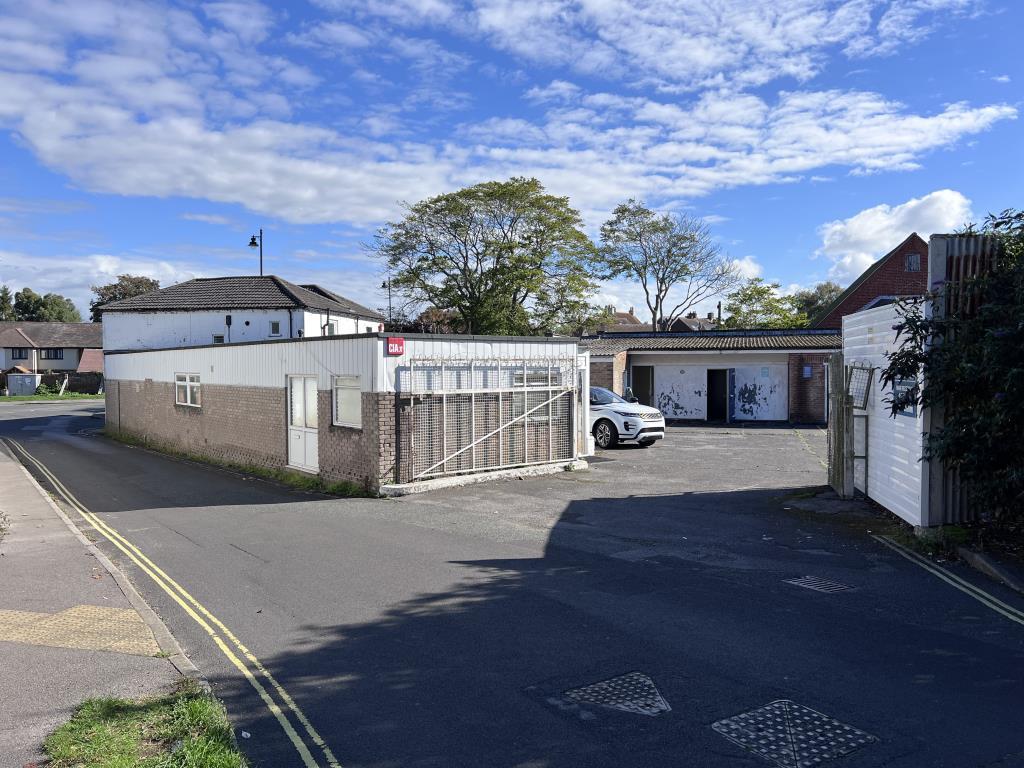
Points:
(241, 425)
(248, 426)
(807, 396)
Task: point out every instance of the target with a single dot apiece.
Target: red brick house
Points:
(903, 271)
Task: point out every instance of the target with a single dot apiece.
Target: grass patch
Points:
(935, 542)
(296, 480)
(184, 729)
(65, 396)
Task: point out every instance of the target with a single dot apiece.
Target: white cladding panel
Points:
(895, 445)
(473, 349)
(255, 365)
(267, 365)
(761, 388)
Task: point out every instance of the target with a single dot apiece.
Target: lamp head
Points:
(253, 242)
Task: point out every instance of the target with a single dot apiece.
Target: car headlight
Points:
(625, 413)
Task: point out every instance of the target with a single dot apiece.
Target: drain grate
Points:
(792, 736)
(819, 585)
(632, 692)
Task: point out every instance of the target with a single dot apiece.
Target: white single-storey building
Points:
(727, 376)
(370, 408)
(229, 310)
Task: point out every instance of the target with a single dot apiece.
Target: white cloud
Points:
(677, 43)
(855, 243)
(73, 276)
(747, 267)
(1002, 78)
(210, 218)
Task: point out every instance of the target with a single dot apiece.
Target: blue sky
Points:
(813, 135)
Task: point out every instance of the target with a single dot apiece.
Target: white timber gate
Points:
(466, 416)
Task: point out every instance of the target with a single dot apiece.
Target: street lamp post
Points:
(257, 242)
(387, 284)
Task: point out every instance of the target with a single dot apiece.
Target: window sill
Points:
(187, 405)
(353, 427)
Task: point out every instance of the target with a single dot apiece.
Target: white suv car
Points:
(614, 419)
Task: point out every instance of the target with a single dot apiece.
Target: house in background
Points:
(903, 271)
(628, 322)
(51, 347)
(720, 376)
(225, 310)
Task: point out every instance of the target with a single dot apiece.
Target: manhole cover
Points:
(819, 585)
(792, 736)
(632, 692)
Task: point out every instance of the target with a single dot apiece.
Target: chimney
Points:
(631, 311)
(611, 309)
(711, 317)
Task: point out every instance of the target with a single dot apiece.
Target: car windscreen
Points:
(602, 396)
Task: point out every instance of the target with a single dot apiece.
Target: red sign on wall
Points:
(396, 345)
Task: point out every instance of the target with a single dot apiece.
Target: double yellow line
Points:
(983, 597)
(214, 627)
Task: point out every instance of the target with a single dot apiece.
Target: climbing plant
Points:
(972, 365)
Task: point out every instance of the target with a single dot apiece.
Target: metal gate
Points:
(472, 415)
(849, 388)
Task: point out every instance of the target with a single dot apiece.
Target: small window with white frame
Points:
(186, 390)
(348, 402)
(51, 354)
(913, 262)
(275, 327)
(19, 353)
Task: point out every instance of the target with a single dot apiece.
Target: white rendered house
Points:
(229, 310)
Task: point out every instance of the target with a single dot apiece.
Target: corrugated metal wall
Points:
(895, 475)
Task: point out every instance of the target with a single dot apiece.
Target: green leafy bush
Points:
(972, 366)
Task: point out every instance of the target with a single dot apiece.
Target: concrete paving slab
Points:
(68, 631)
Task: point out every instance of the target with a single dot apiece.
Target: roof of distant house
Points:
(913, 239)
(713, 341)
(14, 333)
(249, 292)
(91, 362)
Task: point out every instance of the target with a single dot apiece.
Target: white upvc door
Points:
(303, 445)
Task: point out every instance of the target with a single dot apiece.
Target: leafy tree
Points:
(125, 287)
(813, 301)
(503, 256)
(666, 254)
(30, 306)
(758, 304)
(6, 304)
(971, 363)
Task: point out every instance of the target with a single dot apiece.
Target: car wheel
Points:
(605, 434)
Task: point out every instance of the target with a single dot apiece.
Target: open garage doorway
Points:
(718, 394)
(642, 383)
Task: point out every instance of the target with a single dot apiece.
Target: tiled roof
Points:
(91, 362)
(253, 292)
(14, 333)
(712, 341)
(354, 309)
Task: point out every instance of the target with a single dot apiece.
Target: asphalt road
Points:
(447, 629)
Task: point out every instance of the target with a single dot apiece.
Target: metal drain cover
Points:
(819, 585)
(632, 692)
(792, 736)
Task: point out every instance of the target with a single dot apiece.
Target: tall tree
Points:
(757, 304)
(6, 304)
(673, 257)
(30, 306)
(503, 256)
(124, 287)
(814, 300)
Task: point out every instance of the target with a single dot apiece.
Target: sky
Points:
(811, 135)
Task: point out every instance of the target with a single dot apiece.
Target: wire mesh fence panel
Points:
(859, 384)
(468, 416)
